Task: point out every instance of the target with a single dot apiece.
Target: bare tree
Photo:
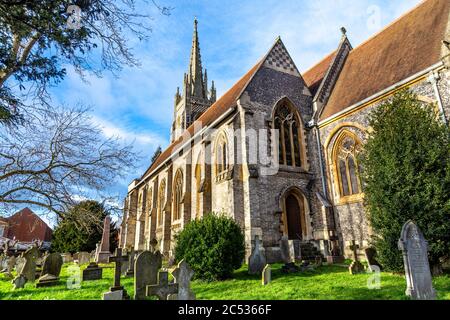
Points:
(57, 158)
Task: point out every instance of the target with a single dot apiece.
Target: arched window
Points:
(177, 196)
(221, 155)
(345, 153)
(198, 181)
(161, 202)
(287, 122)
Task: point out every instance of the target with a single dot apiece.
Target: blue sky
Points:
(138, 105)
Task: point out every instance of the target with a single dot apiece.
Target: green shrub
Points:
(406, 173)
(213, 246)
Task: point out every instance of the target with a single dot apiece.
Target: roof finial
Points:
(344, 31)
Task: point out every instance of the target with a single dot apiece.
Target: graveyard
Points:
(323, 283)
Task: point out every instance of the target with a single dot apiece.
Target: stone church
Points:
(278, 151)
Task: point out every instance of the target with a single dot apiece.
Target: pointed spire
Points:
(195, 66)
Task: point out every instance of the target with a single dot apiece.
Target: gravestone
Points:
(163, 288)
(131, 260)
(266, 275)
(19, 282)
(83, 257)
(356, 266)
(103, 250)
(370, 254)
(67, 257)
(29, 267)
(113, 295)
(183, 275)
(288, 255)
(51, 269)
(75, 256)
(118, 259)
(146, 269)
(415, 258)
(10, 264)
(257, 259)
(92, 272)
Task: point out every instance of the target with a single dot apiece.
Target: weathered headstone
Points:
(257, 259)
(113, 295)
(131, 259)
(371, 261)
(83, 257)
(92, 272)
(67, 257)
(288, 255)
(415, 258)
(9, 267)
(51, 269)
(146, 269)
(183, 275)
(29, 267)
(103, 250)
(266, 275)
(118, 259)
(163, 288)
(356, 266)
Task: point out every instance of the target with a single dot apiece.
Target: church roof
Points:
(314, 76)
(407, 46)
(226, 101)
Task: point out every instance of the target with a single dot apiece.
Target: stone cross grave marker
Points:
(163, 288)
(257, 259)
(356, 266)
(266, 275)
(415, 258)
(117, 259)
(183, 275)
(146, 272)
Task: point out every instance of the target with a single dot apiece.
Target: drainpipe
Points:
(433, 78)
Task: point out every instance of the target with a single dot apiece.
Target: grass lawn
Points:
(326, 282)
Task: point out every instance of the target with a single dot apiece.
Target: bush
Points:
(213, 246)
(406, 173)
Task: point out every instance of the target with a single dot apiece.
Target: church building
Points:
(278, 151)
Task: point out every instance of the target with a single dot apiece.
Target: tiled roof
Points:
(314, 76)
(407, 46)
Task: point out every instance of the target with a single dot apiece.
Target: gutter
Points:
(380, 93)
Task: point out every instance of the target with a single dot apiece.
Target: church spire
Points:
(195, 66)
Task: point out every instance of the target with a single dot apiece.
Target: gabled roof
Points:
(277, 58)
(407, 46)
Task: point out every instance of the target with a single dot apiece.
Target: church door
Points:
(293, 214)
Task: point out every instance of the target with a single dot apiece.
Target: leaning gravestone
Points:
(67, 257)
(288, 255)
(374, 265)
(146, 272)
(29, 267)
(131, 260)
(257, 259)
(19, 282)
(266, 275)
(415, 258)
(183, 275)
(51, 269)
(10, 263)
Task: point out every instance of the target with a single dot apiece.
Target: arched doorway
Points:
(294, 216)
